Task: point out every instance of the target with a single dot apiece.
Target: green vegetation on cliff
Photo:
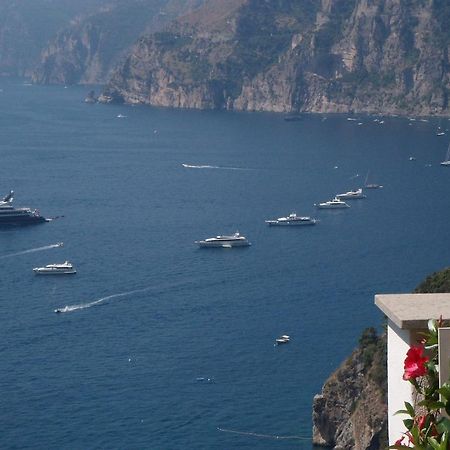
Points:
(437, 282)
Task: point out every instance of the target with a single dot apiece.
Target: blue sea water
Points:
(167, 346)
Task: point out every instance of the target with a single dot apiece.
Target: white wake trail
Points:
(189, 166)
(71, 308)
(31, 250)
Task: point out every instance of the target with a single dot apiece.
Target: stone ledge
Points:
(412, 311)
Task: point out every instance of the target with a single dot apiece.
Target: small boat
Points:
(446, 161)
(350, 195)
(283, 339)
(65, 268)
(332, 204)
(235, 240)
(292, 220)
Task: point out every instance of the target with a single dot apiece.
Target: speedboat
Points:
(65, 268)
(284, 339)
(350, 195)
(292, 220)
(9, 215)
(332, 204)
(235, 240)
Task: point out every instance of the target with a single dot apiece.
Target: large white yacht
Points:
(65, 268)
(332, 204)
(350, 195)
(235, 240)
(291, 220)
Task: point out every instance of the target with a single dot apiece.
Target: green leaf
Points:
(431, 405)
(410, 409)
(443, 425)
(401, 411)
(434, 443)
(444, 441)
(447, 409)
(409, 423)
(445, 391)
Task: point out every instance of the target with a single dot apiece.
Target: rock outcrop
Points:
(351, 410)
(26, 26)
(86, 51)
(388, 56)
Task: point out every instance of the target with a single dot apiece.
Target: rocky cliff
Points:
(383, 56)
(26, 26)
(351, 410)
(86, 51)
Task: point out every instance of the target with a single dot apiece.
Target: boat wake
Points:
(32, 250)
(189, 166)
(71, 308)
(261, 435)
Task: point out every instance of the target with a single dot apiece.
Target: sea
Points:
(164, 345)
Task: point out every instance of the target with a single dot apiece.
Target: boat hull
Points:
(350, 197)
(296, 223)
(204, 244)
(22, 220)
(333, 206)
(54, 272)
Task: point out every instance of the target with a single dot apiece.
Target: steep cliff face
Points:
(351, 410)
(26, 25)
(386, 56)
(88, 49)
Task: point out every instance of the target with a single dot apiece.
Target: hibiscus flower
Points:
(415, 363)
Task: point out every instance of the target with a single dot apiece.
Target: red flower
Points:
(421, 421)
(415, 363)
(399, 441)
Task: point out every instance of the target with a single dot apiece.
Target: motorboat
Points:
(65, 268)
(9, 215)
(235, 240)
(292, 220)
(332, 204)
(350, 195)
(283, 339)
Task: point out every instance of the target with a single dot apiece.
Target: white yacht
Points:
(332, 204)
(284, 339)
(55, 269)
(292, 220)
(235, 240)
(350, 195)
